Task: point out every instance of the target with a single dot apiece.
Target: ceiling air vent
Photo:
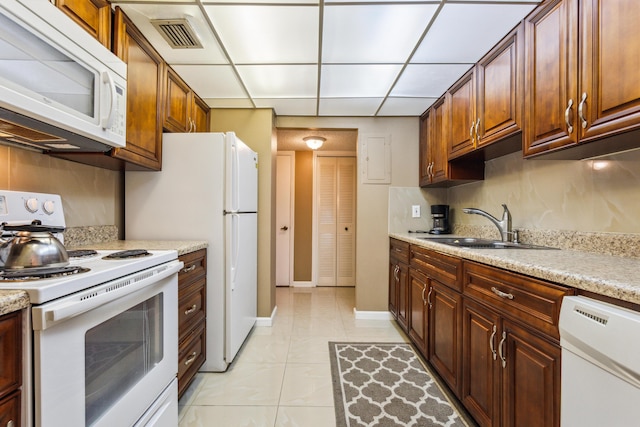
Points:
(178, 33)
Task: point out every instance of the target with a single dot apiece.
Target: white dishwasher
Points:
(600, 364)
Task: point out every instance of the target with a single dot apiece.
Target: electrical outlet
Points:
(415, 211)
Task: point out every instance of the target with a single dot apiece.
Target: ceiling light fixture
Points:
(314, 142)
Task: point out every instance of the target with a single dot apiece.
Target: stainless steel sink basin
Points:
(476, 243)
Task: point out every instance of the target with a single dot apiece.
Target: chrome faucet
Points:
(503, 225)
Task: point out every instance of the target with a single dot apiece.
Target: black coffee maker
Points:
(440, 216)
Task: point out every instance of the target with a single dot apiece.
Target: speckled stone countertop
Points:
(182, 246)
(608, 275)
(11, 301)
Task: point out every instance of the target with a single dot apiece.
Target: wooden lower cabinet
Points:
(445, 333)
(399, 282)
(192, 317)
(10, 368)
(418, 318)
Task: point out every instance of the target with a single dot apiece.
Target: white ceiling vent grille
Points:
(178, 33)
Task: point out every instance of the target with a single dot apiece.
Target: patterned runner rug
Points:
(386, 385)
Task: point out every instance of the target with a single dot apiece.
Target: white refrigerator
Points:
(207, 190)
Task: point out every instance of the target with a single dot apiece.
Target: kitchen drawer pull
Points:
(191, 358)
(501, 294)
(492, 341)
(188, 269)
(429, 298)
(567, 117)
(504, 338)
(190, 310)
(581, 110)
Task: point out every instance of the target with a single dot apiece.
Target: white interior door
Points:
(284, 218)
(335, 204)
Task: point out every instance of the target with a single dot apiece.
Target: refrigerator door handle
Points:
(234, 250)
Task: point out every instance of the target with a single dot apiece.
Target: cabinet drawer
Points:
(11, 351)
(443, 268)
(399, 250)
(10, 410)
(195, 265)
(531, 301)
(192, 305)
(191, 355)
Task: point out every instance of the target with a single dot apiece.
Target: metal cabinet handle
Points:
(424, 289)
(191, 358)
(501, 294)
(581, 110)
(284, 228)
(396, 270)
(190, 310)
(492, 341)
(500, 346)
(471, 130)
(188, 269)
(567, 117)
(429, 297)
(476, 130)
(11, 423)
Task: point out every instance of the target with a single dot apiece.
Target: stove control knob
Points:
(49, 207)
(31, 204)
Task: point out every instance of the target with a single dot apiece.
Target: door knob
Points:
(284, 228)
(346, 229)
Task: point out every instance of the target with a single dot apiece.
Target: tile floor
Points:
(281, 377)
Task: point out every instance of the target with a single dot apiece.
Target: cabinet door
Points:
(177, 104)
(445, 309)
(500, 90)
(92, 15)
(551, 77)
(394, 277)
(480, 391)
(418, 283)
(462, 128)
(200, 114)
(531, 379)
(403, 296)
(439, 141)
(425, 143)
(10, 410)
(145, 69)
(610, 69)
(11, 351)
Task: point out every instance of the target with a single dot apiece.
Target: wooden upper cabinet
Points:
(551, 77)
(583, 77)
(439, 141)
(500, 86)
(92, 15)
(183, 110)
(609, 94)
(145, 70)
(463, 124)
(425, 144)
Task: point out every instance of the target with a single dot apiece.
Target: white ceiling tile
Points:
(280, 81)
(210, 81)
(373, 33)
(465, 32)
(271, 2)
(267, 34)
(289, 106)
(405, 106)
(430, 80)
(349, 106)
(357, 80)
(141, 14)
(228, 102)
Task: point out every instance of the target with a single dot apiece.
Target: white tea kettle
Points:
(31, 246)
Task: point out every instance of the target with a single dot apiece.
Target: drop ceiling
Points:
(332, 58)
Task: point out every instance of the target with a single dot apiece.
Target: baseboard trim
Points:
(267, 321)
(372, 315)
(303, 285)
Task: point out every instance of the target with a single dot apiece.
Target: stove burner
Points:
(41, 273)
(81, 253)
(131, 253)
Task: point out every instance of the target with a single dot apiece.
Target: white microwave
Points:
(60, 89)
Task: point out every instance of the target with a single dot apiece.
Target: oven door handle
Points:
(50, 314)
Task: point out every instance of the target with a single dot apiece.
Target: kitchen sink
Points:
(477, 243)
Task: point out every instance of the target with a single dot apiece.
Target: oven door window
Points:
(119, 352)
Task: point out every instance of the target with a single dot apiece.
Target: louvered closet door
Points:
(336, 198)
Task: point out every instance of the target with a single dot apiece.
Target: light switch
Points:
(415, 211)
